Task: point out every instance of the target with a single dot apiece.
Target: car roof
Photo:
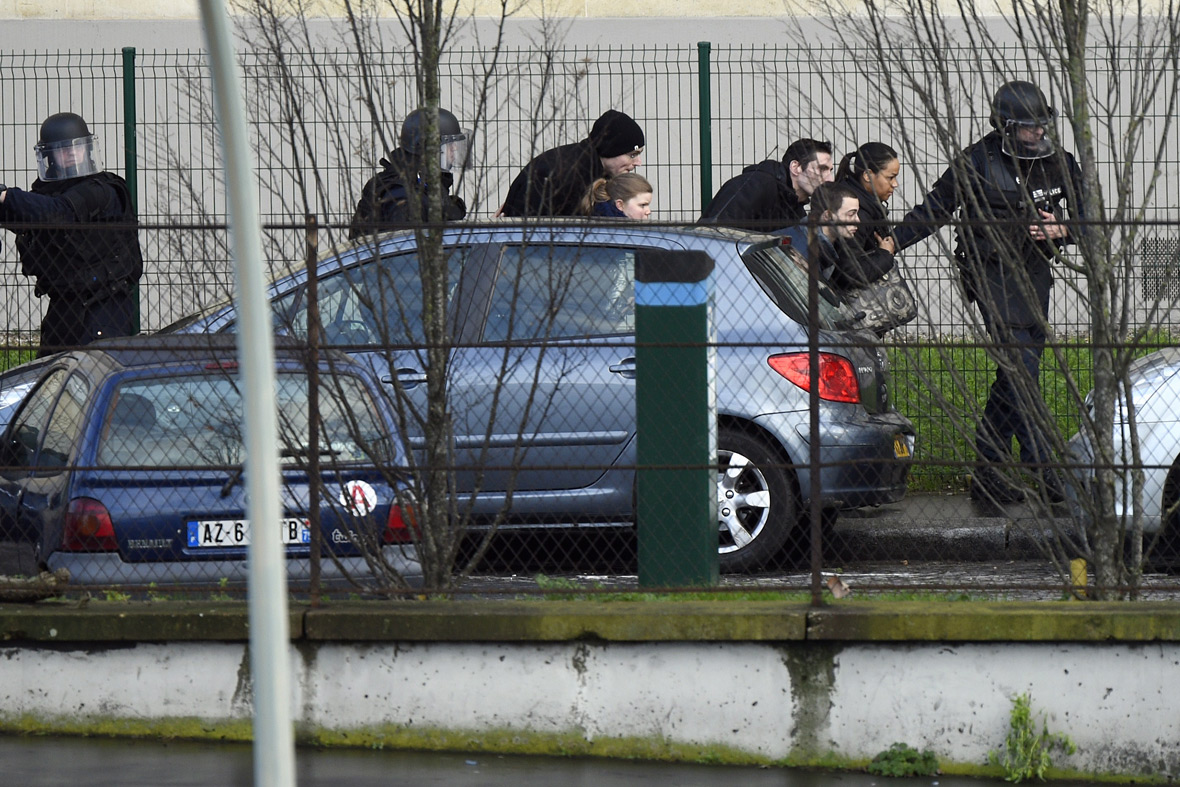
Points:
(624, 230)
(502, 230)
(157, 349)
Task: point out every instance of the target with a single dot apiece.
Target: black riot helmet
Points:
(1021, 113)
(66, 148)
(453, 140)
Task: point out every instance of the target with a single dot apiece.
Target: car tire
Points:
(756, 507)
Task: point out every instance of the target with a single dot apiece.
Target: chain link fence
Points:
(540, 448)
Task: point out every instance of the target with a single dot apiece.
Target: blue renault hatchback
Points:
(124, 465)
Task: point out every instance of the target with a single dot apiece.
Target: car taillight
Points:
(837, 378)
(88, 527)
(401, 519)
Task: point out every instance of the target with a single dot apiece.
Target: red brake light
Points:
(401, 519)
(837, 378)
(88, 527)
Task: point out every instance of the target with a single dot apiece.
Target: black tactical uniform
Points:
(76, 235)
(385, 201)
(1000, 185)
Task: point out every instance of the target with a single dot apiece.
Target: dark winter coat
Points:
(554, 182)
(866, 261)
(608, 208)
(761, 198)
(1007, 272)
(824, 252)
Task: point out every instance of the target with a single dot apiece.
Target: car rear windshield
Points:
(196, 420)
(783, 276)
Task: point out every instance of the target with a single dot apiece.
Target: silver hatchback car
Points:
(542, 373)
(1154, 384)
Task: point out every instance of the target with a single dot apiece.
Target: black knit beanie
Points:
(615, 134)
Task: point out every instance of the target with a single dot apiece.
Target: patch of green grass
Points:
(950, 595)
(14, 356)
(942, 386)
(901, 759)
(565, 589)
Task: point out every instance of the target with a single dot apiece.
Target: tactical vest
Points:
(70, 260)
(1010, 193)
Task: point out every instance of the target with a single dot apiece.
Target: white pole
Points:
(274, 745)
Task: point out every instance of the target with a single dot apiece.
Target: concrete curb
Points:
(943, 527)
(117, 625)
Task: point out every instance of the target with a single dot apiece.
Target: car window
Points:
(65, 424)
(562, 292)
(783, 277)
(183, 420)
(33, 419)
(371, 303)
(15, 385)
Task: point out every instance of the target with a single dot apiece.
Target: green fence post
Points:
(676, 413)
(705, 104)
(130, 157)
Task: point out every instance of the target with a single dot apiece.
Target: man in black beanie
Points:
(554, 182)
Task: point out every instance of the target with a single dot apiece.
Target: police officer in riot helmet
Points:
(1022, 115)
(399, 194)
(1008, 190)
(76, 236)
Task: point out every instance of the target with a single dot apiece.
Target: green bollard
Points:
(676, 414)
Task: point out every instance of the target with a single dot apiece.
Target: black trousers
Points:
(1009, 411)
(71, 322)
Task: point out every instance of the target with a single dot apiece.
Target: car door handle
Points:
(625, 367)
(407, 377)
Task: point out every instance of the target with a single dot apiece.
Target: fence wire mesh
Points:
(526, 481)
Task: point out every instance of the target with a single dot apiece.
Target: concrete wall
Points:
(754, 683)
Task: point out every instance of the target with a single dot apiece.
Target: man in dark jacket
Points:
(554, 183)
(1008, 189)
(87, 272)
(399, 194)
(825, 239)
(772, 195)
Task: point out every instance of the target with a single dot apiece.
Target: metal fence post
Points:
(675, 408)
(130, 156)
(705, 107)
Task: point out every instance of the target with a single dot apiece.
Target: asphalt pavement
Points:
(943, 527)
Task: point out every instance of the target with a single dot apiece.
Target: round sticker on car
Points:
(359, 497)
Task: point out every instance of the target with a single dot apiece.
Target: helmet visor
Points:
(1027, 140)
(68, 158)
(454, 152)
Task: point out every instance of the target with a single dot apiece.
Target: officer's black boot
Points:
(1052, 485)
(989, 485)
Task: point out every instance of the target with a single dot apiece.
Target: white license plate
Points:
(236, 532)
